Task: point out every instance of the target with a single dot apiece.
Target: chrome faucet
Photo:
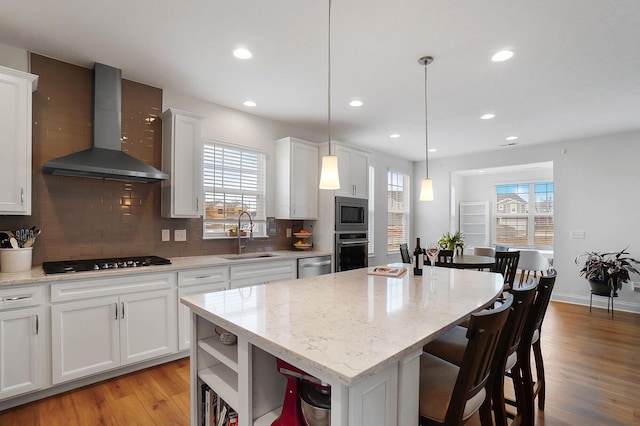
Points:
(239, 232)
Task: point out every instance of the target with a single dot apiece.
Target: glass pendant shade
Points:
(426, 190)
(329, 178)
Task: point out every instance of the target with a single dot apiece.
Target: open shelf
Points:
(227, 354)
(223, 381)
(268, 418)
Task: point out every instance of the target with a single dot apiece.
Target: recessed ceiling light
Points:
(480, 171)
(242, 53)
(356, 103)
(512, 138)
(432, 150)
(249, 104)
(502, 55)
(487, 116)
(394, 135)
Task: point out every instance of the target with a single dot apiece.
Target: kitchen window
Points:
(524, 214)
(234, 181)
(397, 210)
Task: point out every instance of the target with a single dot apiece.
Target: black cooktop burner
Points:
(66, 266)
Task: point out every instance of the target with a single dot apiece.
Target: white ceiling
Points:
(575, 72)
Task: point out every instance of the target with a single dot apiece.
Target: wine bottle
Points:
(418, 253)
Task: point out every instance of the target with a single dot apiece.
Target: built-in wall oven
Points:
(351, 250)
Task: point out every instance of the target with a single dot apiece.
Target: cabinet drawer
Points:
(95, 287)
(203, 276)
(19, 297)
(246, 275)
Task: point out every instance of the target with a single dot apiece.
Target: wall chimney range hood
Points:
(105, 159)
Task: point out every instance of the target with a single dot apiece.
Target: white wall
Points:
(13, 57)
(596, 183)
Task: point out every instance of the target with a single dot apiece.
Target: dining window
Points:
(397, 210)
(234, 181)
(524, 214)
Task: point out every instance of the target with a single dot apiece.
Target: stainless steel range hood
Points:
(105, 159)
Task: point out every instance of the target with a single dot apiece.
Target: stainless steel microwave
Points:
(351, 214)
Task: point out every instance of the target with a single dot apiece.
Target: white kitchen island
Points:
(360, 333)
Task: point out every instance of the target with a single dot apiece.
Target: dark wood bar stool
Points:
(507, 265)
(450, 395)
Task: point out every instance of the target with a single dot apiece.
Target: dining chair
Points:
(531, 339)
(507, 265)
(484, 251)
(445, 256)
(450, 395)
(451, 345)
(531, 261)
(404, 253)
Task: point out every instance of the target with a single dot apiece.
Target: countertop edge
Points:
(37, 276)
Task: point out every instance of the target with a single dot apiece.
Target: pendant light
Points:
(426, 188)
(329, 178)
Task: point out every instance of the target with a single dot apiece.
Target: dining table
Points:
(469, 261)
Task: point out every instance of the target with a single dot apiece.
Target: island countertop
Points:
(350, 325)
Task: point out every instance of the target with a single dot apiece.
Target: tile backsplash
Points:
(85, 218)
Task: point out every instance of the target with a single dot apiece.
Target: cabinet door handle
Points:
(197, 204)
(37, 323)
(22, 196)
(116, 311)
(16, 298)
(122, 317)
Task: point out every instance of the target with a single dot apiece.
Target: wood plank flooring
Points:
(591, 360)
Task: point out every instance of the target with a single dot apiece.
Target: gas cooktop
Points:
(66, 266)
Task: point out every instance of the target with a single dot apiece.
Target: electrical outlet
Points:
(180, 235)
(166, 235)
(576, 235)
(288, 232)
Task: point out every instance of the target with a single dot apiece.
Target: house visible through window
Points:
(524, 215)
(234, 181)
(397, 210)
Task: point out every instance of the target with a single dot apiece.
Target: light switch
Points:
(166, 235)
(576, 235)
(180, 235)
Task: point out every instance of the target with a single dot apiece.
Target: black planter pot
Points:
(603, 288)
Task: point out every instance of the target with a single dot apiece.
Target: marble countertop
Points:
(37, 275)
(349, 325)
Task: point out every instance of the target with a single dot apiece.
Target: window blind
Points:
(234, 181)
(397, 210)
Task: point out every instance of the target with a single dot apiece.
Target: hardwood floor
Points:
(591, 362)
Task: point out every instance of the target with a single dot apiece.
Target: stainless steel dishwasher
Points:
(312, 266)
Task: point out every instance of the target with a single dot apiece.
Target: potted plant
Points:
(607, 271)
(453, 242)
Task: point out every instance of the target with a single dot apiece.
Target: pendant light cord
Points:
(426, 127)
(329, 80)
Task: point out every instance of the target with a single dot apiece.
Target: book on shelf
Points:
(387, 271)
(215, 411)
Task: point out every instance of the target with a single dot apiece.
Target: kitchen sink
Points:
(248, 256)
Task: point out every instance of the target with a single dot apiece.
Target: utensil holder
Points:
(16, 259)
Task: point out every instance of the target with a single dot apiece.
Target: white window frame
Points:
(245, 170)
(403, 209)
(530, 215)
(371, 225)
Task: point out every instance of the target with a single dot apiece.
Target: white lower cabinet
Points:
(92, 333)
(262, 273)
(22, 332)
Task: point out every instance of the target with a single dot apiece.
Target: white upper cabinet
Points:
(15, 140)
(182, 160)
(353, 167)
(296, 179)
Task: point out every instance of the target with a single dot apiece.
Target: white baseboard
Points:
(598, 302)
